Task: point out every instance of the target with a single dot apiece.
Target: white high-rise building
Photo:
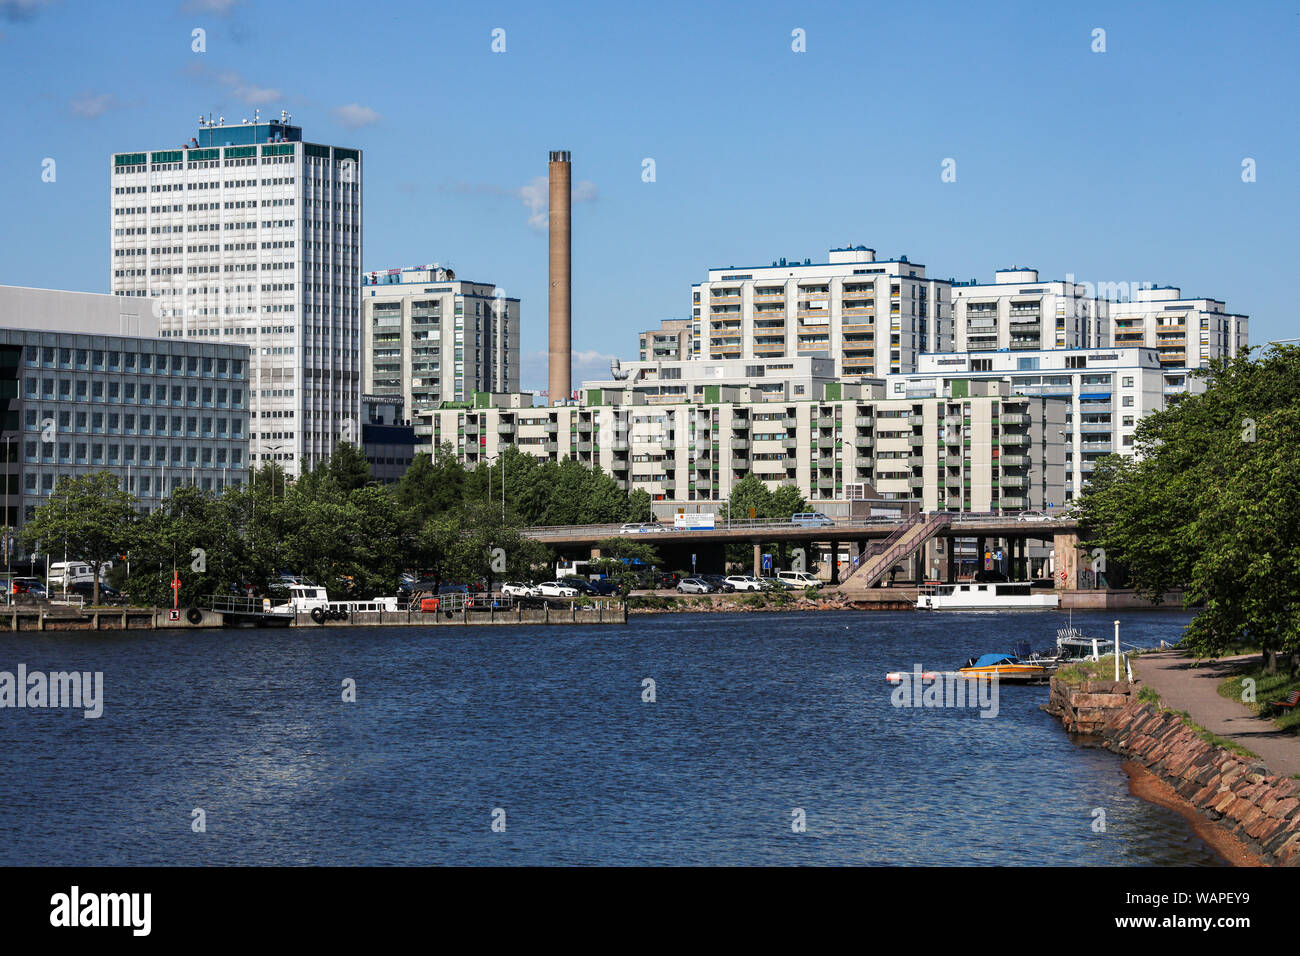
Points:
(1017, 312)
(249, 235)
(1187, 332)
(872, 316)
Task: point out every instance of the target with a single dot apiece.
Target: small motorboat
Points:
(1007, 668)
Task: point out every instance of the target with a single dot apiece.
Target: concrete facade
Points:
(871, 316)
(248, 235)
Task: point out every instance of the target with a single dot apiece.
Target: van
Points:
(811, 519)
(76, 572)
(799, 579)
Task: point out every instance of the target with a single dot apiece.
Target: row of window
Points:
(141, 393)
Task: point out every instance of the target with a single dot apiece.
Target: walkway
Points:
(1195, 690)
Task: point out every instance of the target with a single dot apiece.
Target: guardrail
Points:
(763, 524)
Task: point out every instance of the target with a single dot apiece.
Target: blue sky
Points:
(1117, 166)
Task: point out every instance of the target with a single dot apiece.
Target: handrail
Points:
(905, 545)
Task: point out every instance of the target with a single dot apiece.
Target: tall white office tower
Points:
(246, 234)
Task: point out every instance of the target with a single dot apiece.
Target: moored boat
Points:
(1007, 668)
(987, 596)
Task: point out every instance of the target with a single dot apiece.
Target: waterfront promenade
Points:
(1194, 689)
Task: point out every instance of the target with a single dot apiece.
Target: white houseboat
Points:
(987, 596)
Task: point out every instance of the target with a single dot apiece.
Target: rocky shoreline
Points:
(1257, 810)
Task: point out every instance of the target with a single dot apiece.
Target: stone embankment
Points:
(1238, 794)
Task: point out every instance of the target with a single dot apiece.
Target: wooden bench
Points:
(1292, 701)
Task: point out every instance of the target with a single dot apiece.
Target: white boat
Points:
(987, 596)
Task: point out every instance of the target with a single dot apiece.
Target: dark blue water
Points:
(756, 715)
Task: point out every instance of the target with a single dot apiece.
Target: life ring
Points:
(194, 616)
(318, 615)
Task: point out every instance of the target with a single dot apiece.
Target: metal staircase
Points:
(906, 540)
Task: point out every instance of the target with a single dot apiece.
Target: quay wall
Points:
(1237, 794)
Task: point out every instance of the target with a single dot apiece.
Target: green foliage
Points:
(87, 516)
(1211, 505)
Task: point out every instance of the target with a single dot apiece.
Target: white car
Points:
(641, 527)
(799, 579)
(555, 589)
(743, 582)
(517, 589)
(1033, 516)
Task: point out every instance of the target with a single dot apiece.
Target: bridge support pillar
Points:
(758, 559)
(835, 562)
(1065, 556)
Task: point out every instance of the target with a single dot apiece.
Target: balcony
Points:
(1013, 502)
(1013, 461)
(1014, 481)
(1015, 418)
(1015, 440)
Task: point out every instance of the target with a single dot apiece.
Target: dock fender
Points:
(318, 615)
(343, 615)
(194, 616)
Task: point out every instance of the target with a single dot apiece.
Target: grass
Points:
(1149, 695)
(1080, 671)
(1267, 687)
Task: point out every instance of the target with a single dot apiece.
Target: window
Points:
(1128, 401)
(1128, 381)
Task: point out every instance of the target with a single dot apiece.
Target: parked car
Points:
(605, 587)
(744, 582)
(518, 589)
(581, 585)
(695, 586)
(799, 579)
(772, 584)
(33, 586)
(107, 595)
(718, 581)
(556, 589)
(811, 519)
(453, 589)
(667, 580)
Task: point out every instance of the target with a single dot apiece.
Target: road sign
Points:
(767, 562)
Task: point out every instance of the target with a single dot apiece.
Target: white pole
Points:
(1117, 650)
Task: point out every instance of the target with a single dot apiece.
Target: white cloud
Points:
(536, 196)
(92, 105)
(354, 116)
(587, 364)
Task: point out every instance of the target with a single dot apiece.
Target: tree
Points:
(433, 483)
(348, 467)
(1211, 505)
(88, 516)
(196, 535)
(620, 558)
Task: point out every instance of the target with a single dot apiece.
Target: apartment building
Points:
(976, 447)
(431, 338)
(1017, 312)
(667, 382)
(248, 235)
(872, 317)
(1186, 332)
(1108, 392)
(670, 342)
(88, 385)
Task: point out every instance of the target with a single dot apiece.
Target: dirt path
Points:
(1195, 690)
